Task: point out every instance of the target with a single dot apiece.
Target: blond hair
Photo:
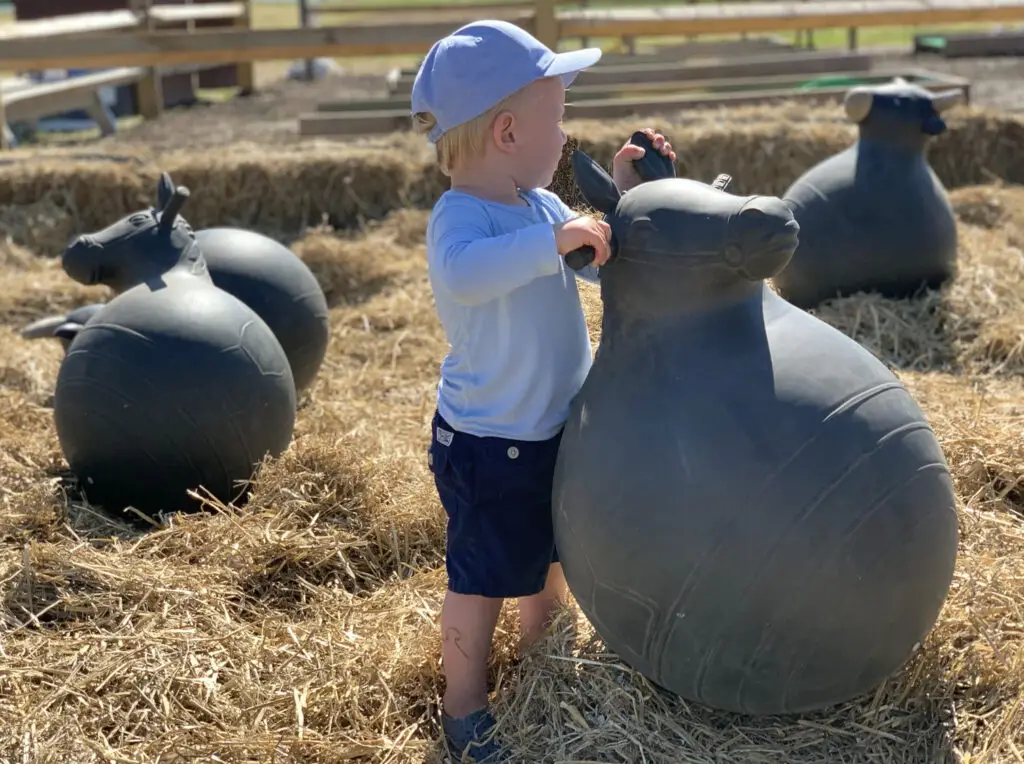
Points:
(463, 142)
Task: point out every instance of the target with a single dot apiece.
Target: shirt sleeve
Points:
(589, 273)
(476, 266)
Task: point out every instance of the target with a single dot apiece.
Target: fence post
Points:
(149, 91)
(246, 69)
(305, 21)
(6, 136)
(584, 41)
(546, 23)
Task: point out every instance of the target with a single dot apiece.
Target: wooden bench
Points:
(29, 101)
(179, 78)
(22, 99)
(643, 72)
(23, 102)
(1003, 43)
(618, 100)
(603, 92)
(145, 16)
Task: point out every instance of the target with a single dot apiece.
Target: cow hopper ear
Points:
(594, 183)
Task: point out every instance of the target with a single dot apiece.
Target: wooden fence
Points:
(897, 13)
(22, 100)
(376, 36)
(139, 47)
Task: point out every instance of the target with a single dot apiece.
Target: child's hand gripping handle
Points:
(651, 166)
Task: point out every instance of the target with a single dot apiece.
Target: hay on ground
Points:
(304, 628)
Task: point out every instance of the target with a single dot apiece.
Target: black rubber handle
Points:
(580, 258)
(651, 166)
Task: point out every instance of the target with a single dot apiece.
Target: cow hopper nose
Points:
(85, 241)
(79, 260)
(762, 238)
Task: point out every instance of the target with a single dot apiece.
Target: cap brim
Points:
(567, 65)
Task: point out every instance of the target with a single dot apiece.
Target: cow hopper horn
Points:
(947, 99)
(858, 104)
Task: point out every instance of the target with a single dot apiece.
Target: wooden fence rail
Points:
(374, 37)
(727, 18)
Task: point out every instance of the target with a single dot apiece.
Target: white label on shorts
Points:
(444, 437)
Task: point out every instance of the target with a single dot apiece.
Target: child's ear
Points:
(504, 130)
(594, 183)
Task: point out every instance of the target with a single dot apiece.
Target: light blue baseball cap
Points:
(478, 65)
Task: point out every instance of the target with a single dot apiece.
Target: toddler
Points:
(491, 98)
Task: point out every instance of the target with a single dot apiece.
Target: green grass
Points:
(283, 15)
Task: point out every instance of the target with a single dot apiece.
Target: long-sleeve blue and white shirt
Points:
(510, 308)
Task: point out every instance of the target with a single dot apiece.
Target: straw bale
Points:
(766, 148)
(304, 626)
(287, 189)
(43, 226)
(281, 190)
(79, 187)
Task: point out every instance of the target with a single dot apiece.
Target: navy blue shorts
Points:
(497, 495)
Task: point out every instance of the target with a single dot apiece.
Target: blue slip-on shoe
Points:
(471, 738)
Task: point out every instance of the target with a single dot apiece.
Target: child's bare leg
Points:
(537, 610)
(467, 628)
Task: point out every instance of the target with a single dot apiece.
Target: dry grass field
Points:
(302, 627)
